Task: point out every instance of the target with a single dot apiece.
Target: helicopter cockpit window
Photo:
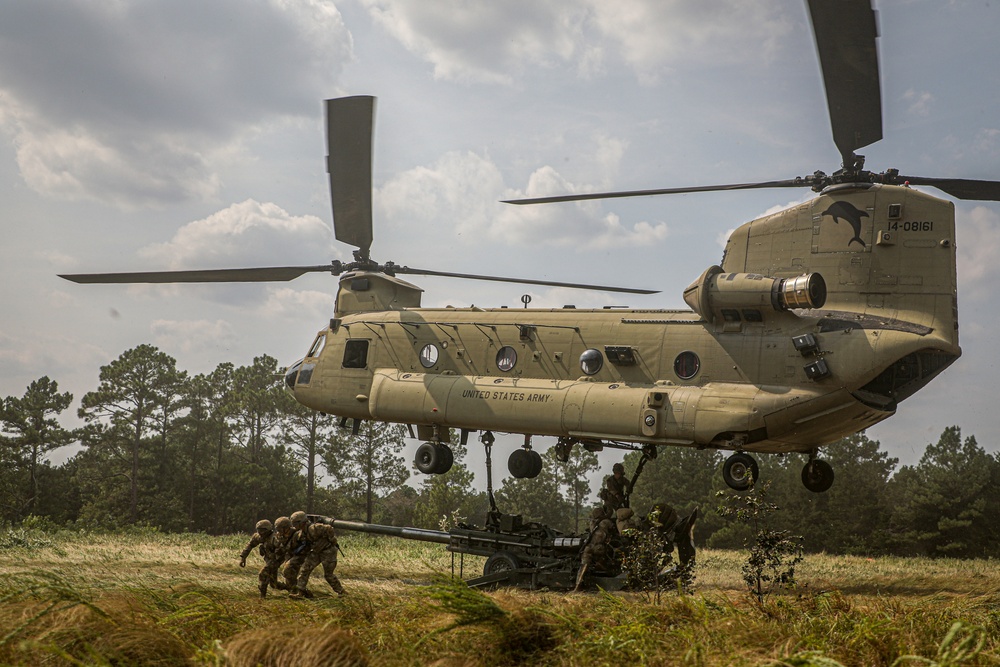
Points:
(686, 365)
(506, 358)
(429, 355)
(356, 353)
(317, 345)
(591, 361)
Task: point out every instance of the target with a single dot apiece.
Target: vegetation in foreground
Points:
(145, 598)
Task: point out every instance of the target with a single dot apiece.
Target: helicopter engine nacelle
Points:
(736, 296)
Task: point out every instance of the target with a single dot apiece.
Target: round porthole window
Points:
(591, 361)
(506, 358)
(429, 355)
(686, 365)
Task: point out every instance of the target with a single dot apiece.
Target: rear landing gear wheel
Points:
(817, 476)
(740, 471)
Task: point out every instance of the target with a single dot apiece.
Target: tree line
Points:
(216, 452)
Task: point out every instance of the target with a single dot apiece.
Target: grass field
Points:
(151, 599)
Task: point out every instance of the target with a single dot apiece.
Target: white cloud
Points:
(484, 42)
(249, 233)
(653, 36)
(186, 336)
(978, 239)
(465, 187)
(497, 42)
(918, 102)
(284, 303)
(41, 353)
(146, 99)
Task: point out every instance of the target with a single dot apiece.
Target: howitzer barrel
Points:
(420, 534)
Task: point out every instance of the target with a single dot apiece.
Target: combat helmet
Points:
(618, 467)
(298, 518)
(264, 527)
(282, 523)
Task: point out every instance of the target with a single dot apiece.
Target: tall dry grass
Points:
(149, 599)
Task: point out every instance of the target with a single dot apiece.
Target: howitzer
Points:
(526, 555)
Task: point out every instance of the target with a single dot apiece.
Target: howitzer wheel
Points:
(501, 561)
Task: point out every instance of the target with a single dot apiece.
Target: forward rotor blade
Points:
(961, 188)
(845, 38)
(523, 281)
(349, 134)
(254, 275)
(793, 183)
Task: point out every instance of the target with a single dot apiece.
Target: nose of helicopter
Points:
(291, 373)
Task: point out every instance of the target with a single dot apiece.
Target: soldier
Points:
(598, 552)
(273, 549)
(616, 490)
(296, 549)
(323, 548)
(261, 537)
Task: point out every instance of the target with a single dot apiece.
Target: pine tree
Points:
(33, 430)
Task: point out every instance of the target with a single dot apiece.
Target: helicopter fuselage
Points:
(819, 320)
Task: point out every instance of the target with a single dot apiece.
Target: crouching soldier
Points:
(323, 549)
(296, 549)
(263, 540)
(274, 550)
(598, 551)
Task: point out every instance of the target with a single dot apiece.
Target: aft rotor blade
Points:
(793, 183)
(349, 134)
(961, 188)
(845, 38)
(253, 275)
(523, 281)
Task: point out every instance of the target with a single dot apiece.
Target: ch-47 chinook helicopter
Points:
(819, 320)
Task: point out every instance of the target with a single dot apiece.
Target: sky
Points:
(170, 134)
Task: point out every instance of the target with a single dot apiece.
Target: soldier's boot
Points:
(302, 593)
(263, 591)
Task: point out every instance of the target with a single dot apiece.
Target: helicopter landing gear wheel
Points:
(524, 463)
(433, 458)
(740, 471)
(817, 476)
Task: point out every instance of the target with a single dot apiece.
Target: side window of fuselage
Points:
(317, 345)
(356, 353)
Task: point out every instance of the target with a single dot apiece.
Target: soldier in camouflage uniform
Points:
(268, 543)
(274, 552)
(598, 552)
(296, 549)
(616, 490)
(323, 547)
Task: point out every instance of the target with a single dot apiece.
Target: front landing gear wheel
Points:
(524, 463)
(740, 471)
(433, 458)
(447, 459)
(817, 476)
